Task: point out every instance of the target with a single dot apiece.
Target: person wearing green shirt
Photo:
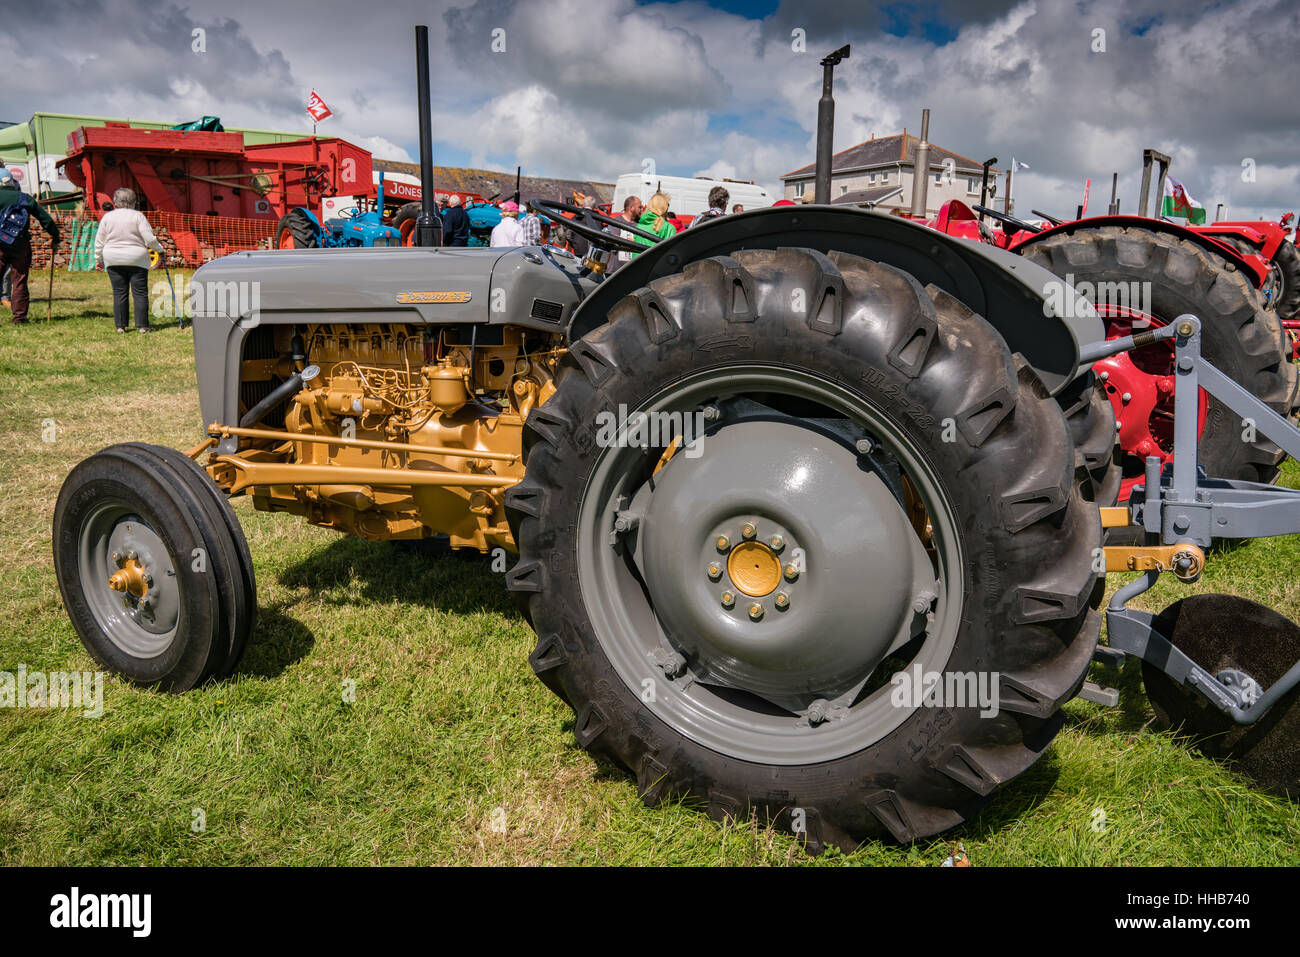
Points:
(655, 219)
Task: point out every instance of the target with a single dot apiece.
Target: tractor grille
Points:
(260, 344)
(546, 310)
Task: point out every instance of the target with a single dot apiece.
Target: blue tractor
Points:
(483, 217)
(300, 228)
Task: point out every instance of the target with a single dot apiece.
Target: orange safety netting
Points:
(191, 240)
(187, 239)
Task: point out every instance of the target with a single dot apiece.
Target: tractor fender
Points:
(1037, 314)
(1207, 242)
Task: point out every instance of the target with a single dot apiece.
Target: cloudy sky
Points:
(593, 88)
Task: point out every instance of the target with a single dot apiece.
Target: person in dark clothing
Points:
(16, 256)
(718, 199)
(455, 224)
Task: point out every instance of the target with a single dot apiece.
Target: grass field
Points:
(452, 751)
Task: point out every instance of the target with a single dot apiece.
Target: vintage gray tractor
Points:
(804, 499)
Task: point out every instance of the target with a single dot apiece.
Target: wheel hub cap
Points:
(754, 568)
(805, 625)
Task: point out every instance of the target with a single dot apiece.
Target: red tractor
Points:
(1141, 272)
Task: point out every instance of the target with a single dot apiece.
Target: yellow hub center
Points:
(130, 579)
(754, 569)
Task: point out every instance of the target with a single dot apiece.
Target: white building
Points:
(878, 174)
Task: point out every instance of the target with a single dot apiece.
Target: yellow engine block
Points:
(405, 433)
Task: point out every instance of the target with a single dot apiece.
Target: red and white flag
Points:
(317, 108)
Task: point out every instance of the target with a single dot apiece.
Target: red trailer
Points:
(210, 193)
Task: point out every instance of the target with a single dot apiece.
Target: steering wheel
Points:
(586, 223)
(1011, 221)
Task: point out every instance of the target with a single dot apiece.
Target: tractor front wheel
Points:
(153, 567)
(803, 540)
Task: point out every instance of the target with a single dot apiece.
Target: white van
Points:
(688, 197)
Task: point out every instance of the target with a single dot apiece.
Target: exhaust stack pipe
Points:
(921, 168)
(426, 233)
(826, 127)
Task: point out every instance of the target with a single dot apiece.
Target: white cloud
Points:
(589, 90)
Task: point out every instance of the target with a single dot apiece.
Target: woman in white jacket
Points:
(122, 246)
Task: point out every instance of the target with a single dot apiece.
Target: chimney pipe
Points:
(921, 168)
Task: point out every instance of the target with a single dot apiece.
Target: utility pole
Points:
(826, 127)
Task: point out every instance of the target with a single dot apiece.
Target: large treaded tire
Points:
(296, 231)
(1010, 475)
(1286, 303)
(1239, 336)
(1287, 259)
(404, 221)
(1091, 419)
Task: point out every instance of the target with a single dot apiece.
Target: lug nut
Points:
(791, 572)
(864, 446)
(1105, 376)
(715, 571)
(755, 611)
(712, 413)
(131, 556)
(728, 599)
(1126, 397)
(782, 600)
(819, 711)
(748, 530)
(777, 543)
(723, 543)
(117, 558)
(148, 580)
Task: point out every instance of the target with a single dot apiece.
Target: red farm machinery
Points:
(1140, 272)
(210, 193)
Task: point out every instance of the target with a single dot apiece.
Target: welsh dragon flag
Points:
(1178, 202)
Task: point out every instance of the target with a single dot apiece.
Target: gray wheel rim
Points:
(630, 633)
(142, 626)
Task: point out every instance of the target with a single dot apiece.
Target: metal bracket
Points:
(1184, 559)
(1188, 511)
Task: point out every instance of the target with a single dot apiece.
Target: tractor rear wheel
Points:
(1285, 299)
(1239, 336)
(153, 571)
(1091, 420)
(1287, 262)
(296, 231)
(871, 494)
